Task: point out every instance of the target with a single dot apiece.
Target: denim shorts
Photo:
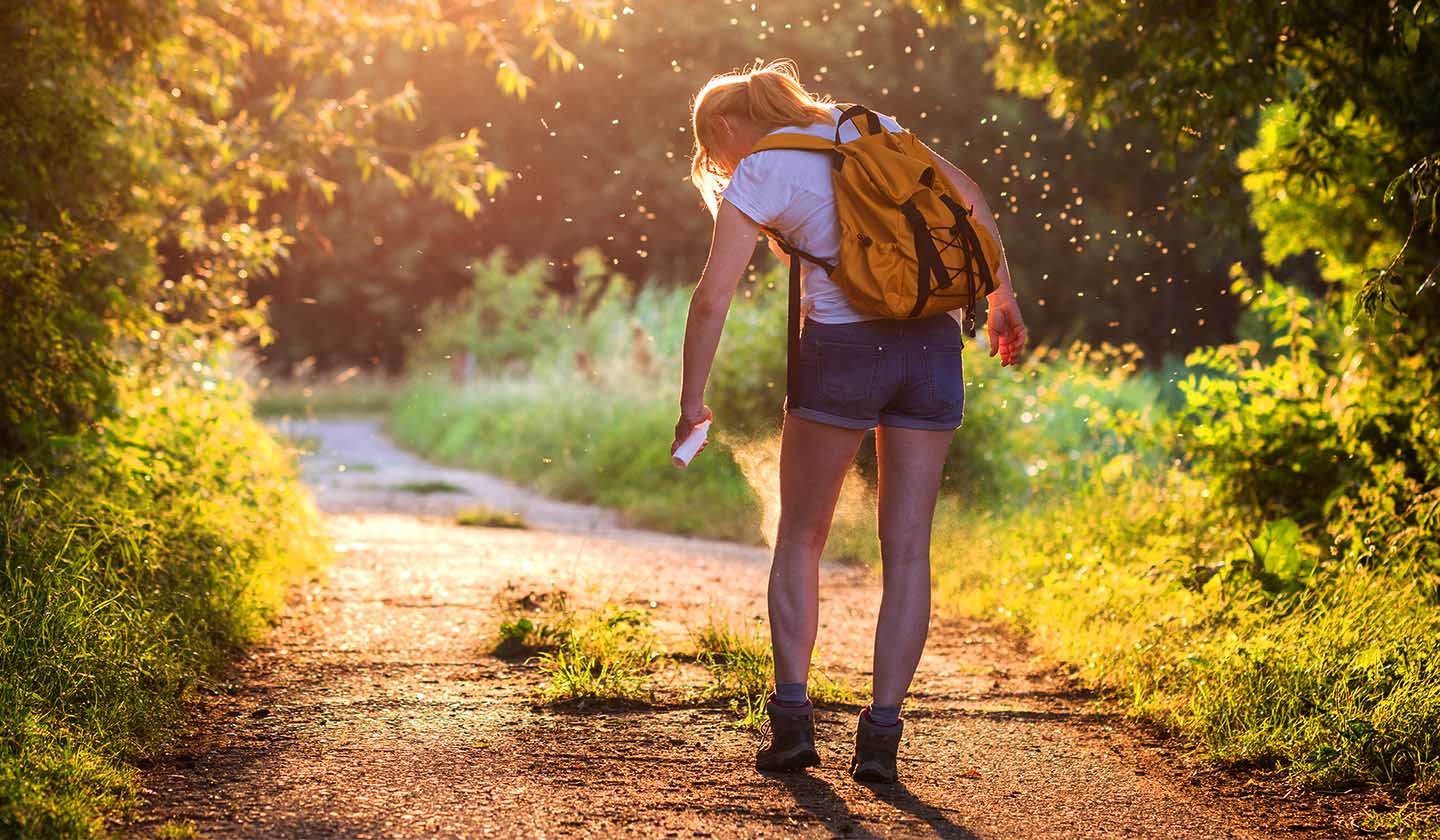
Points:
(887, 372)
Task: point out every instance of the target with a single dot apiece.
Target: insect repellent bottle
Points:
(691, 445)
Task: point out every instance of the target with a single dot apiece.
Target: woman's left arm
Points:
(1004, 325)
(731, 246)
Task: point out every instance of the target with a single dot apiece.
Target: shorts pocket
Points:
(847, 374)
(947, 380)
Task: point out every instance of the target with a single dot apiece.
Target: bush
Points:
(1219, 627)
(1262, 416)
(126, 580)
(1051, 422)
(55, 352)
(504, 318)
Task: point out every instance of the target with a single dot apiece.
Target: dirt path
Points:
(375, 710)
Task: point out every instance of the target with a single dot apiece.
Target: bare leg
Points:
(813, 460)
(911, 461)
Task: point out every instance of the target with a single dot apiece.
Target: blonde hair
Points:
(769, 95)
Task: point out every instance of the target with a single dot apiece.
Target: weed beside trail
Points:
(591, 655)
(612, 653)
(483, 517)
(607, 655)
(426, 488)
(534, 623)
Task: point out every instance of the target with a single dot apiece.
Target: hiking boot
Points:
(791, 743)
(875, 749)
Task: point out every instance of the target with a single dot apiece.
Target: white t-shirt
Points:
(790, 190)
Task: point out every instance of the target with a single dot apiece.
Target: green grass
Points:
(125, 581)
(1163, 601)
(582, 441)
(1412, 821)
(336, 395)
(607, 655)
(742, 671)
(483, 517)
(596, 655)
(426, 488)
(177, 830)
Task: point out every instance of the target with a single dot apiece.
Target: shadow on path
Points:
(819, 798)
(900, 798)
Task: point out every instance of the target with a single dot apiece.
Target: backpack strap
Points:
(792, 317)
(794, 140)
(792, 331)
(853, 112)
(796, 252)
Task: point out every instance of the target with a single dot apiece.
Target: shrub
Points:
(1263, 416)
(126, 579)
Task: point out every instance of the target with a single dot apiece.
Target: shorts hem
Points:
(830, 419)
(919, 425)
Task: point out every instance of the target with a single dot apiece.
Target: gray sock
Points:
(885, 715)
(791, 694)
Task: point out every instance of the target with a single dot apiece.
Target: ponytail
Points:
(768, 95)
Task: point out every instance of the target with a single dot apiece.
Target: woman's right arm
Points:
(732, 245)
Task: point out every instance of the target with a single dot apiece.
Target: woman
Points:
(857, 372)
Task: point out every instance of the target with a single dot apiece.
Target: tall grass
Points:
(346, 392)
(576, 440)
(1147, 589)
(125, 580)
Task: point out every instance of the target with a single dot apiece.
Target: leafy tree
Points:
(146, 146)
(61, 196)
(1321, 103)
(1328, 114)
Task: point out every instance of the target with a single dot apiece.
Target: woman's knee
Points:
(904, 551)
(805, 539)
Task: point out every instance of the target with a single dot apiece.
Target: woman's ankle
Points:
(791, 694)
(883, 715)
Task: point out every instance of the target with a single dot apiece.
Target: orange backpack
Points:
(908, 247)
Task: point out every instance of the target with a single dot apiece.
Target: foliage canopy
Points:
(144, 148)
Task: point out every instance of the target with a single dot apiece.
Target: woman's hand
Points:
(1005, 328)
(689, 419)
